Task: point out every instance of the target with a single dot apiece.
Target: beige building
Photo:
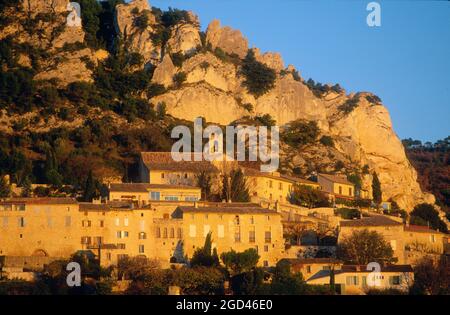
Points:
(356, 279)
(336, 186)
(272, 187)
(142, 193)
(163, 230)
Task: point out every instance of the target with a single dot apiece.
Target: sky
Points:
(405, 61)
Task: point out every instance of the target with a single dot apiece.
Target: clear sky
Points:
(406, 61)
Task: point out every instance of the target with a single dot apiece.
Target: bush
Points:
(259, 78)
(373, 99)
(141, 21)
(266, 120)
(327, 141)
(348, 213)
(179, 79)
(349, 105)
(424, 214)
(155, 89)
(309, 197)
(300, 132)
(178, 59)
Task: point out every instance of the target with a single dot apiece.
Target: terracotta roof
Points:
(254, 172)
(143, 187)
(163, 161)
(306, 261)
(42, 201)
(421, 229)
(336, 179)
(229, 210)
(88, 206)
(377, 220)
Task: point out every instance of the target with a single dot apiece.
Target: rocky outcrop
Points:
(185, 39)
(271, 59)
(164, 72)
(229, 40)
(138, 38)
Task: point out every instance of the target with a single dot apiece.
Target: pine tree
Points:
(89, 188)
(376, 189)
(239, 188)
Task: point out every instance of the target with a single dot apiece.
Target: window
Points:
(394, 280)
(20, 207)
(220, 231)
(237, 234)
(206, 229)
(326, 268)
(162, 175)
(141, 249)
(172, 232)
(266, 263)
(364, 281)
(252, 220)
(98, 240)
(350, 192)
(192, 230)
(270, 184)
(185, 175)
(340, 190)
(68, 221)
(236, 220)
(158, 232)
(165, 233)
(268, 237)
(101, 223)
(142, 235)
(86, 240)
(85, 223)
(121, 246)
(117, 221)
(280, 186)
(308, 269)
(171, 198)
(125, 221)
(179, 233)
(251, 236)
(191, 198)
(351, 280)
(266, 248)
(21, 222)
(155, 195)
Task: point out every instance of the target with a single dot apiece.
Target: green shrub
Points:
(178, 59)
(349, 105)
(266, 120)
(142, 21)
(259, 78)
(348, 213)
(155, 89)
(373, 99)
(179, 79)
(300, 132)
(327, 141)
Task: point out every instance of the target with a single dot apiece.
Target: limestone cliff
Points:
(213, 87)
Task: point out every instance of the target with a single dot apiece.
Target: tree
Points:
(241, 262)
(295, 232)
(248, 283)
(204, 181)
(235, 187)
(426, 214)
(432, 278)
(300, 132)
(286, 283)
(376, 189)
(307, 196)
(90, 190)
(259, 78)
(205, 256)
(5, 190)
(364, 246)
(26, 188)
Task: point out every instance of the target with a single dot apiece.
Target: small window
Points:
(394, 280)
(266, 248)
(172, 232)
(142, 236)
(141, 249)
(179, 233)
(268, 237)
(158, 232)
(21, 222)
(308, 269)
(162, 175)
(266, 263)
(155, 195)
(280, 186)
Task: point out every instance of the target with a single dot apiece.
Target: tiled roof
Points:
(143, 187)
(336, 179)
(229, 210)
(377, 220)
(420, 229)
(306, 261)
(163, 161)
(254, 172)
(88, 206)
(42, 201)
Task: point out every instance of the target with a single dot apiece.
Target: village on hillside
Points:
(320, 228)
